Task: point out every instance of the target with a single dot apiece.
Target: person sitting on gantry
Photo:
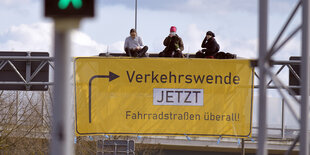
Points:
(209, 45)
(134, 46)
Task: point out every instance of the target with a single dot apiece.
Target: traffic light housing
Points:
(69, 8)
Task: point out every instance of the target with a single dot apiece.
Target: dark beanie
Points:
(132, 30)
(211, 33)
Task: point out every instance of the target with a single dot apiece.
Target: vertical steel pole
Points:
(62, 122)
(28, 71)
(282, 121)
(304, 137)
(17, 105)
(136, 15)
(242, 147)
(42, 107)
(263, 23)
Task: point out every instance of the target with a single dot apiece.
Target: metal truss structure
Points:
(27, 79)
(265, 62)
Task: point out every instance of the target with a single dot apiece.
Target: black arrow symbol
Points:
(111, 77)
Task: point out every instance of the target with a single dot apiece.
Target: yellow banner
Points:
(160, 96)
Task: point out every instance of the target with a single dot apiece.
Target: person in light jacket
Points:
(134, 46)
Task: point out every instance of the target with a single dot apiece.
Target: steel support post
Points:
(28, 71)
(305, 57)
(282, 120)
(62, 121)
(263, 23)
(136, 15)
(242, 147)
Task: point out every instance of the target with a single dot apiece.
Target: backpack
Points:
(223, 55)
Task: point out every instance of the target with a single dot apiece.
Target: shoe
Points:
(142, 54)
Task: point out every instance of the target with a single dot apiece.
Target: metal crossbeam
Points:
(279, 84)
(23, 58)
(278, 72)
(294, 72)
(27, 83)
(3, 63)
(286, 40)
(42, 64)
(288, 152)
(271, 51)
(17, 72)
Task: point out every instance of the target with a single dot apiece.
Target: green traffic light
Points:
(63, 4)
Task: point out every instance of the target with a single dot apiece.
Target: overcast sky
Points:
(234, 22)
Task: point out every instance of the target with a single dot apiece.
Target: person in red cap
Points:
(174, 45)
(211, 47)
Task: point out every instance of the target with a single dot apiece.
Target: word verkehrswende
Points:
(170, 77)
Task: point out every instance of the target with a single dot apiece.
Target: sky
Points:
(234, 22)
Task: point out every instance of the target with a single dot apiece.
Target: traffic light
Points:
(64, 4)
(69, 8)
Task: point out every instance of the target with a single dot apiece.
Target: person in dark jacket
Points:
(211, 47)
(174, 45)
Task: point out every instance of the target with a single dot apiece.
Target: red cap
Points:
(173, 29)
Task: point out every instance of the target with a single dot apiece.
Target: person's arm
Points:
(167, 41)
(181, 45)
(140, 42)
(204, 44)
(126, 44)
